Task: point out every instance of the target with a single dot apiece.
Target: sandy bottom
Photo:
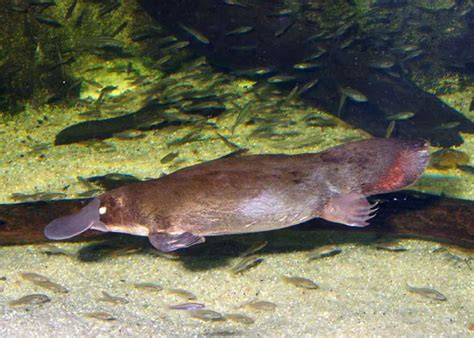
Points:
(362, 290)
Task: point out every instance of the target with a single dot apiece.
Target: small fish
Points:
(161, 61)
(238, 3)
(119, 29)
(32, 299)
(427, 292)
(390, 129)
(166, 40)
(206, 108)
(237, 152)
(246, 263)
(254, 71)
(306, 65)
(130, 135)
(406, 48)
(382, 63)
(192, 136)
(283, 12)
(243, 48)
(300, 282)
(390, 247)
(52, 250)
(240, 318)
(316, 36)
(104, 43)
(284, 29)
(257, 246)
(40, 196)
(308, 86)
(108, 7)
(196, 63)
(169, 157)
(47, 21)
(183, 293)
(413, 55)
(448, 125)
(281, 78)
(242, 116)
(448, 158)
(354, 94)
(173, 256)
(41, 3)
(44, 282)
(235, 147)
(347, 42)
(105, 91)
(70, 9)
(55, 287)
(197, 35)
(325, 251)
(148, 286)
(34, 277)
(315, 55)
(401, 116)
(177, 45)
(100, 315)
(260, 305)
(187, 306)
(80, 18)
(112, 299)
(207, 315)
(240, 30)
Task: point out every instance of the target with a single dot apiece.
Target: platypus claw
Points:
(168, 242)
(351, 209)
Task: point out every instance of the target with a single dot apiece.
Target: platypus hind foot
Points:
(167, 242)
(350, 209)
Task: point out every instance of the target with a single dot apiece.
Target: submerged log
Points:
(404, 214)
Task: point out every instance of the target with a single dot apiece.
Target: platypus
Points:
(252, 193)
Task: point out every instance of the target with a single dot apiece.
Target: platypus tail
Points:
(370, 167)
(73, 225)
(377, 165)
(399, 164)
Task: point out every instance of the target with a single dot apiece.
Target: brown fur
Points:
(261, 192)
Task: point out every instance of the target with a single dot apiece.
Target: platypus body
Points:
(252, 193)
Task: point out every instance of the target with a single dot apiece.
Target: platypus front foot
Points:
(350, 209)
(168, 242)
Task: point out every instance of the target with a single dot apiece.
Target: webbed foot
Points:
(167, 242)
(350, 209)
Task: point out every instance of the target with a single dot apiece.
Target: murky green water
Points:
(89, 89)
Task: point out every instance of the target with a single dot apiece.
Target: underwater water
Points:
(98, 95)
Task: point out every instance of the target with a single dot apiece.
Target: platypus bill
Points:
(252, 193)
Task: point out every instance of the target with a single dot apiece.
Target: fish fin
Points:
(167, 242)
(351, 209)
(72, 225)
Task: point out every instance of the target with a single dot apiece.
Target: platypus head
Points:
(111, 211)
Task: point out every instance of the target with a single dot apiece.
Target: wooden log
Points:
(404, 214)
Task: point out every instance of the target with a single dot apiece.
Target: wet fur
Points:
(261, 192)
